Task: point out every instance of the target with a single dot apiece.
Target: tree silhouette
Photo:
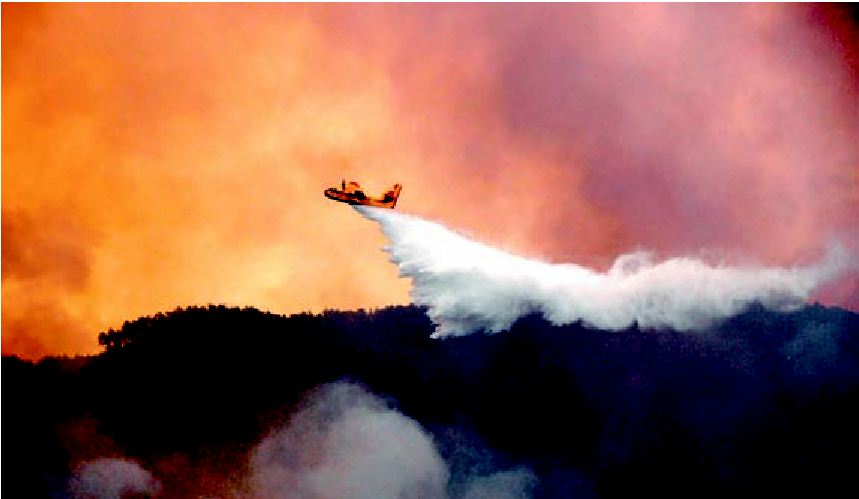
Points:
(762, 397)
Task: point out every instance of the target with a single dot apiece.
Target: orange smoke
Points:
(164, 155)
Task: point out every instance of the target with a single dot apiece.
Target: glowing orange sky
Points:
(162, 155)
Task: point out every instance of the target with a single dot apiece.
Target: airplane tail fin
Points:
(395, 191)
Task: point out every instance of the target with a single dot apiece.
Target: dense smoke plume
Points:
(468, 286)
(157, 155)
(347, 443)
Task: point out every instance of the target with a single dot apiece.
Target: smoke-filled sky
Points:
(165, 155)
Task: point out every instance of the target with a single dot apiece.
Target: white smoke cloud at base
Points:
(111, 478)
(345, 442)
(468, 286)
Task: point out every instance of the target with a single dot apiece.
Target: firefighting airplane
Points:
(351, 193)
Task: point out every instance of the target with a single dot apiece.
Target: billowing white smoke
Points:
(468, 286)
(347, 443)
(108, 478)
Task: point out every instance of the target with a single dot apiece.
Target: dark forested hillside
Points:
(765, 402)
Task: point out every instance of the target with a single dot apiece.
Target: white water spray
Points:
(468, 286)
